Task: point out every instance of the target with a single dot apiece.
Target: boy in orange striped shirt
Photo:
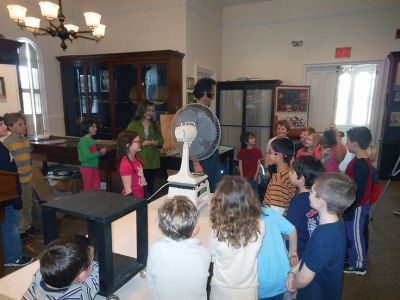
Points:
(280, 189)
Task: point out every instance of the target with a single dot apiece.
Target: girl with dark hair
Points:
(130, 165)
(88, 155)
(333, 150)
(151, 139)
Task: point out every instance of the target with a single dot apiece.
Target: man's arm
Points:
(197, 167)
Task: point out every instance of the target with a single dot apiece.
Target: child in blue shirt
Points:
(319, 273)
(273, 260)
(304, 171)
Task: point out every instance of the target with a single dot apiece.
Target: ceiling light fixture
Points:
(51, 12)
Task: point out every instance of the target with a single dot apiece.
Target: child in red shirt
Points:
(130, 166)
(249, 159)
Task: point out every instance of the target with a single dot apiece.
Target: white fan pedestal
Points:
(184, 183)
(198, 193)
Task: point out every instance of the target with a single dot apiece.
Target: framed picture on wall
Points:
(190, 98)
(291, 104)
(189, 83)
(3, 94)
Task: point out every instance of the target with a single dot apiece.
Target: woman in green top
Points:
(151, 140)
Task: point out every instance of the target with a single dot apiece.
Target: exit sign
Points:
(343, 52)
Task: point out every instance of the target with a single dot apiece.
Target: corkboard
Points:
(165, 123)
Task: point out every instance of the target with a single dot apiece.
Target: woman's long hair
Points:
(141, 109)
(235, 212)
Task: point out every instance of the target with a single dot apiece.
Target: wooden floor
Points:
(383, 267)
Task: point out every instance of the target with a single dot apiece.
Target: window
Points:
(355, 94)
(342, 95)
(32, 87)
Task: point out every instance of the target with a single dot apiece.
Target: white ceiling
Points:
(235, 2)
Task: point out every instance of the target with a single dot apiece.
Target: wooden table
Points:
(64, 150)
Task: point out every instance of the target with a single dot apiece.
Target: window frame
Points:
(33, 92)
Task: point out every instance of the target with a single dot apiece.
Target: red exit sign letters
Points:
(343, 52)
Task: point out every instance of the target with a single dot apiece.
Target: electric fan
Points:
(195, 133)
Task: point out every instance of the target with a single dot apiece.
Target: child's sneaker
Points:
(357, 271)
(20, 262)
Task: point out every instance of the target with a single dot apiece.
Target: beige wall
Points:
(203, 37)
(257, 37)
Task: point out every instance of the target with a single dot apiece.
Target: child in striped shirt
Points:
(20, 148)
(67, 271)
(280, 190)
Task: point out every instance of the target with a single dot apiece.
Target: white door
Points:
(323, 80)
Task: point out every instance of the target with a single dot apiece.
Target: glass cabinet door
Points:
(154, 86)
(126, 92)
(231, 108)
(74, 91)
(99, 99)
(258, 115)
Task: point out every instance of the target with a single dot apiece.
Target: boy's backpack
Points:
(376, 188)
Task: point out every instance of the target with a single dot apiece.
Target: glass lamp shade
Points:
(17, 12)
(71, 27)
(99, 31)
(49, 10)
(92, 19)
(32, 24)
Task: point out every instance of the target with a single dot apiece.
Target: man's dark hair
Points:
(63, 259)
(203, 85)
(285, 146)
(86, 124)
(1, 119)
(361, 135)
(309, 167)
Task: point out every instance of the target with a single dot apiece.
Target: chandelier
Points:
(52, 12)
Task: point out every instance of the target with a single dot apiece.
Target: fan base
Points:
(199, 193)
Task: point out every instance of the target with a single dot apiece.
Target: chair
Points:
(41, 186)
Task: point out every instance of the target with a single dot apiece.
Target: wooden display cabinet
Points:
(108, 87)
